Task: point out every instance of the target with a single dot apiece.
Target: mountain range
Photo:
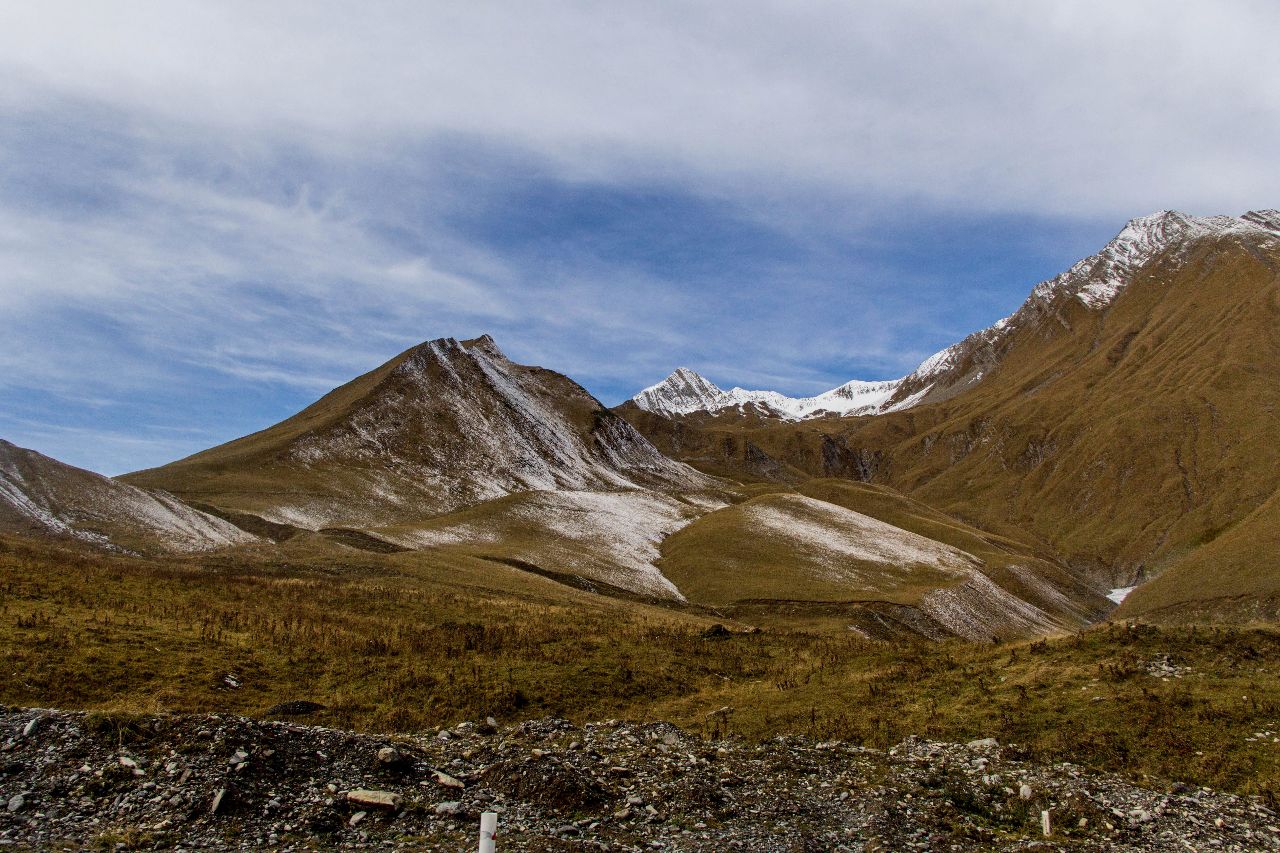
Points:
(1117, 430)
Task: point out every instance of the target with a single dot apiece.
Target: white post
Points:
(488, 831)
(1044, 823)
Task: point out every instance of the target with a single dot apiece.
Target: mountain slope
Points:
(444, 425)
(1093, 282)
(880, 555)
(44, 497)
(1125, 415)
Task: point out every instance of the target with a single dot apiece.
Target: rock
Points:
(717, 632)
(16, 802)
(984, 743)
(668, 791)
(389, 755)
(446, 780)
(30, 728)
(240, 757)
(387, 800)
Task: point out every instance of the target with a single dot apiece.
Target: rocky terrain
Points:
(75, 781)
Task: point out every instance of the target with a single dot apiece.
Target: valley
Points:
(456, 536)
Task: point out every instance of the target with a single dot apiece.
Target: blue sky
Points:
(211, 213)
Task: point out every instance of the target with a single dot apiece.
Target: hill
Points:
(43, 497)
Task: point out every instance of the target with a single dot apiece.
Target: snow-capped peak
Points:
(686, 391)
(682, 392)
(1098, 279)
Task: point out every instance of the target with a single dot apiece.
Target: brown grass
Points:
(392, 643)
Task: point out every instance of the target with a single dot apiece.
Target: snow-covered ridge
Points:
(1094, 282)
(685, 391)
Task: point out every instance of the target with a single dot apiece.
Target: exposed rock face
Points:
(44, 496)
(612, 785)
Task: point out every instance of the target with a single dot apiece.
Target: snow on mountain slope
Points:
(1094, 282)
(843, 541)
(612, 537)
(442, 426)
(42, 495)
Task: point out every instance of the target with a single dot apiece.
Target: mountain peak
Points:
(443, 425)
(682, 392)
(485, 344)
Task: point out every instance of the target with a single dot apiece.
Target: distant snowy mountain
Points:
(685, 392)
(1092, 283)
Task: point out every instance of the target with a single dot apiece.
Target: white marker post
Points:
(1045, 825)
(488, 831)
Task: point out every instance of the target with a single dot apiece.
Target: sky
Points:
(211, 213)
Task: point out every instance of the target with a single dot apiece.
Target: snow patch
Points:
(835, 536)
(1120, 593)
(612, 537)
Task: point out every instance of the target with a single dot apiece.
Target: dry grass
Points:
(391, 643)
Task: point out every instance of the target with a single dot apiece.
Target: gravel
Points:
(215, 782)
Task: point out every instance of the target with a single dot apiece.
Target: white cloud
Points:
(1083, 107)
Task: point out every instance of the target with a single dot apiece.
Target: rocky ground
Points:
(72, 781)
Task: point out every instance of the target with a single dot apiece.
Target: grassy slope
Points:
(1123, 440)
(401, 642)
(724, 558)
(1238, 571)
(247, 475)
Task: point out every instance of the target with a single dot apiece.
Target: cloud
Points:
(1081, 107)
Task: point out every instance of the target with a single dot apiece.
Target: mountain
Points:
(685, 392)
(1094, 283)
(444, 425)
(457, 454)
(45, 497)
(1124, 416)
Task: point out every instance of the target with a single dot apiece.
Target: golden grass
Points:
(395, 643)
